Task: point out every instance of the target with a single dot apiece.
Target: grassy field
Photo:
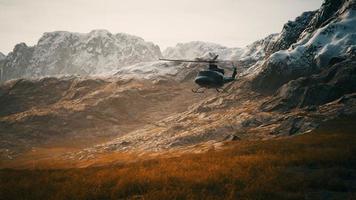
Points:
(319, 165)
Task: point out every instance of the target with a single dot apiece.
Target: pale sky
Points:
(233, 23)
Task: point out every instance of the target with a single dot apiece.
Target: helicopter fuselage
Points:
(213, 77)
(210, 79)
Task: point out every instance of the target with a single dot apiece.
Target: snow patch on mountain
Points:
(332, 40)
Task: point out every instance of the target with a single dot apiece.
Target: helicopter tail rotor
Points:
(234, 73)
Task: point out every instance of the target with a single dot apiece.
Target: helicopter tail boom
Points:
(199, 61)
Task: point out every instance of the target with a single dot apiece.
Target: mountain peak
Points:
(63, 52)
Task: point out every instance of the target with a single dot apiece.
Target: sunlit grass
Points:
(302, 167)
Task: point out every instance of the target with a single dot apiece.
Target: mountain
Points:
(317, 73)
(100, 53)
(323, 38)
(290, 83)
(297, 79)
(284, 129)
(62, 53)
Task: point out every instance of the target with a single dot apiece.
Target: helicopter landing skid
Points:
(198, 90)
(220, 90)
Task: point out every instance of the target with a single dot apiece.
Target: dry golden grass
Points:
(319, 165)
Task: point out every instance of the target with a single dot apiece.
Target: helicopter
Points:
(211, 78)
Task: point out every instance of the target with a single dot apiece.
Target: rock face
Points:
(290, 32)
(329, 33)
(61, 53)
(315, 90)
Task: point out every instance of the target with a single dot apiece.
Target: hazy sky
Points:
(234, 23)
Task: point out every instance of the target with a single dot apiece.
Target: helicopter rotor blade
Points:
(198, 60)
(232, 62)
(177, 60)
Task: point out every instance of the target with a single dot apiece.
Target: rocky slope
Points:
(328, 35)
(74, 112)
(62, 53)
(318, 89)
(238, 115)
